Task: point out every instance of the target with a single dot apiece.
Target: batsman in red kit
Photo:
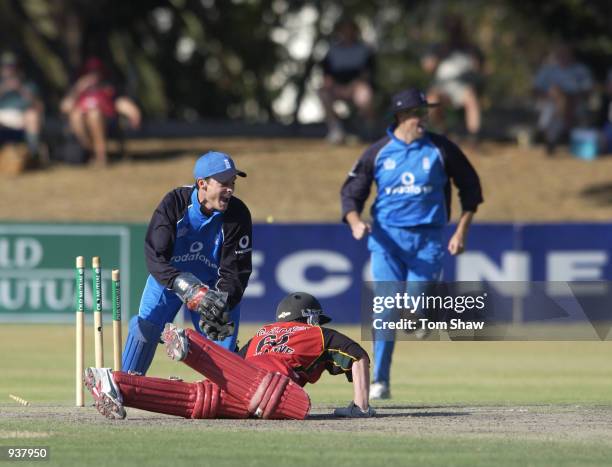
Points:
(264, 379)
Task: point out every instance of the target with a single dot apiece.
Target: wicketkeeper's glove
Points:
(209, 303)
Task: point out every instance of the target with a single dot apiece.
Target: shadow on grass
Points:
(600, 193)
(392, 415)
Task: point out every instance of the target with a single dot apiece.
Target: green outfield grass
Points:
(38, 365)
(193, 445)
(41, 369)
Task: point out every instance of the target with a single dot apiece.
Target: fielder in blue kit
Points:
(198, 252)
(413, 170)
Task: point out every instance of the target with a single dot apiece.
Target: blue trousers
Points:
(159, 306)
(409, 255)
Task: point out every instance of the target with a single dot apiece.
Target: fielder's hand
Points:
(456, 245)
(190, 290)
(360, 229)
(353, 411)
(214, 317)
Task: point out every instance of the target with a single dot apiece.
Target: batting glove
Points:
(353, 411)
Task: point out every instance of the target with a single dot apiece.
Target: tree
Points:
(190, 59)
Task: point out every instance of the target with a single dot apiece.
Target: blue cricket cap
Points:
(217, 165)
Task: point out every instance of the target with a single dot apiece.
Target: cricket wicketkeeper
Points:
(263, 380)
(198, 252)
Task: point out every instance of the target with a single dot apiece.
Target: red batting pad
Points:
(232, 373)
(203, 399)
(277, 397)
(268, 395)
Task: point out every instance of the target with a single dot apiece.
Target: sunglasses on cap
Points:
(419, 112)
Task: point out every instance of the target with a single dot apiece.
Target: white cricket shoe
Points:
(175, 341)
(106, 394)
(421, 334)
(379, 391)
(353, 411)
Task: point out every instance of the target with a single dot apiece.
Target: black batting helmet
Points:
(301, 307)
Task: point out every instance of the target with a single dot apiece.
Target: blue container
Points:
(583, 143)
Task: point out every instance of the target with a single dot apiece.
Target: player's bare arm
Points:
(361, 383)
(456, 245)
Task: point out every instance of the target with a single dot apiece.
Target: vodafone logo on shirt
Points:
(408, 178)
(244, 245)
(196, 247)
(408, 187)
(195, 254)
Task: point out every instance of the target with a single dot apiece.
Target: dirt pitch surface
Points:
(540, 422)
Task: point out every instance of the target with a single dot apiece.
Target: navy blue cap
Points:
(217, 165)
(407, 99)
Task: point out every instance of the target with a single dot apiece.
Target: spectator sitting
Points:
(456, 66)
(92, 106)
(348, 70)
(562, 86)
(21, 110)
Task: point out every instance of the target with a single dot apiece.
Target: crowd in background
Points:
(563, 87)
(94, 110)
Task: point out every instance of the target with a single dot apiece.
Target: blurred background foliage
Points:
(256, 59)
